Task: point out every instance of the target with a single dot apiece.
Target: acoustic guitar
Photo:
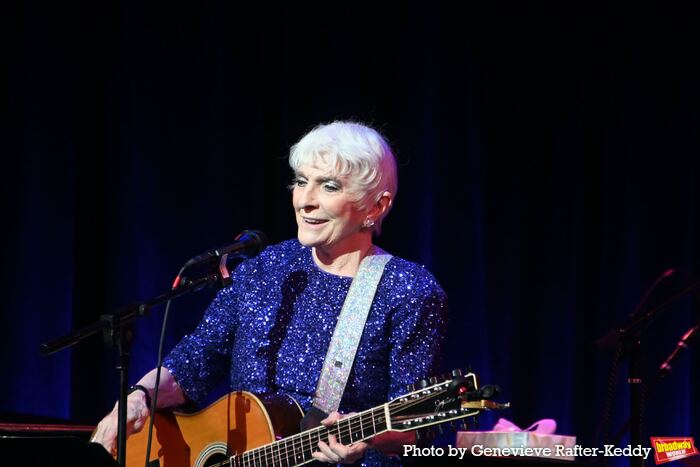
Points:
(242, 429)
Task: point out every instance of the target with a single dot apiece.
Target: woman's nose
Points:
(306, 197)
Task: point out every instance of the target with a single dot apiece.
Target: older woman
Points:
(270, 330)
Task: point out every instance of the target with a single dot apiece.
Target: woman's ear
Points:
(381, 206)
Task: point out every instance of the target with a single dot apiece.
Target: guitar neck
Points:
(296, 450)
(225, 433)
(439, 403)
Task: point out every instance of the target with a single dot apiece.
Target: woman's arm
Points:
(137, 410)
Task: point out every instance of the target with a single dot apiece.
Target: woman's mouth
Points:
(311, 221)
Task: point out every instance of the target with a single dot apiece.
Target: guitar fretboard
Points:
(297, 449)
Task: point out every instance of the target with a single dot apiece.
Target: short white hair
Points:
(356, 151)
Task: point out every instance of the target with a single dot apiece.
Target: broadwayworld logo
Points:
(672, 449)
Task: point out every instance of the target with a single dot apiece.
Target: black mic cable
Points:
(154, 399)
(247, 244)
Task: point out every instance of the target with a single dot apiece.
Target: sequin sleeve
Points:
(201, 359)
(417, 333)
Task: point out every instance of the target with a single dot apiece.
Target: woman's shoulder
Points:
(284, 251)
(404, 274)
(273, 262)
(275, 256)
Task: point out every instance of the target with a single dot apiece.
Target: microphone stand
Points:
(116, 328)
(661, 373)
(636, 382)
(629, 334)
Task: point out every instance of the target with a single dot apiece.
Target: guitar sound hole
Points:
(214, 454)
(215, 459)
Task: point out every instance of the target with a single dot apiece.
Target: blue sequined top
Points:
(277, 318)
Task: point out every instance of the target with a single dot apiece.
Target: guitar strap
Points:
(348, 331)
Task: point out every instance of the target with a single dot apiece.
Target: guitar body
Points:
(260, 430)
(238, 422)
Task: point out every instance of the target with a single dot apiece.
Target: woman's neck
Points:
(341, 262)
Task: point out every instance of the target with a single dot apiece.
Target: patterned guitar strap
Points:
(346, 338)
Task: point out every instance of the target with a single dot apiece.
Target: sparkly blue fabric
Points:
(277, 318)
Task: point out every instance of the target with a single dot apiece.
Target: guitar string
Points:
(346, 428)
(270, 452)
(308, 441)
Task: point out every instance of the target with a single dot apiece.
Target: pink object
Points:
(546, 426)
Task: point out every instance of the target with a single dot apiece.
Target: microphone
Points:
(665, 367)
(246, 245)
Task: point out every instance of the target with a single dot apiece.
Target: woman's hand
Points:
(389, 443)
(334, 452)
(137, 414)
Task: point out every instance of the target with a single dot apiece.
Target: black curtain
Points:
(548, 165)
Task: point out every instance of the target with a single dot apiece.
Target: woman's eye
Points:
(299, 182)
(331, 186)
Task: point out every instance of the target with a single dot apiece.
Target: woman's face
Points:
(327, 212)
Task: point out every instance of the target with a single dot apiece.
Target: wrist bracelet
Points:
(138, 387)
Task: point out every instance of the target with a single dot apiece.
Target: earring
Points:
(368, 223)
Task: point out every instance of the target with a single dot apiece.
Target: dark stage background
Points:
(548, 172)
